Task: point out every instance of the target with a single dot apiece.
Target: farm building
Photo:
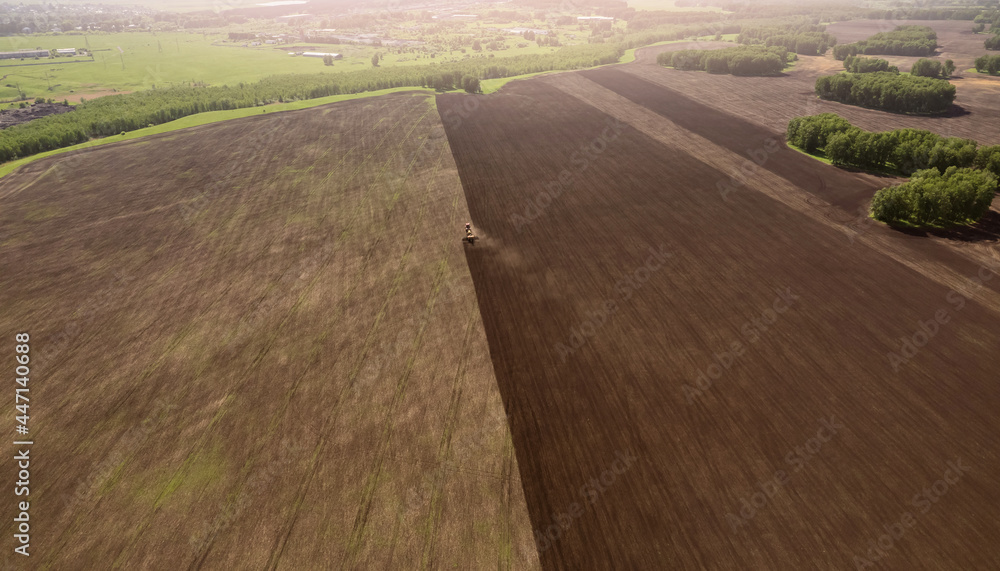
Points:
(521, 31)
(322, 54)
(66, 51)
(292, 18)
(594, 19)
(24, 54)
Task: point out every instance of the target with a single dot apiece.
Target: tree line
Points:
(992, 19)
(988, 64)
(925, 14)
(953, 179)
(801, 38)
(888, 91)
(740, 60)
(859, 64)
(903, 150)
(903, 41)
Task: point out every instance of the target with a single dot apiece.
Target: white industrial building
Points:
(316, 54)
(24, 54)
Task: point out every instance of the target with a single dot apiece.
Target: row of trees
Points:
(903, 150)
(858, 64)
(741, 60)
(988, 64)
(993, 19)
(903, 41)
(924, 14)
(956, 196)
(809, 43)
(922, 67)
(888, 91)
(803, 38)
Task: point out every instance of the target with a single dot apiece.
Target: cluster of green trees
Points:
(809, 44)
(903, 150)
(804, 38)
(956, 196)
(988, 64)
(888, 91)
(953, 180)
(903, 41)
(924, 67)
(741, 60)
(991, 18)
(858, 64)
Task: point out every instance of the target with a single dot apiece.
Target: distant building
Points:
(322, 54)
(24, 54)
(521, 31)
(66, 51)
(594, 19)
(292, 18)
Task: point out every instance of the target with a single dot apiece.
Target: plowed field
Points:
(699, 371)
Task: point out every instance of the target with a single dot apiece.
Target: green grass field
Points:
(152, 60)
(156, 60)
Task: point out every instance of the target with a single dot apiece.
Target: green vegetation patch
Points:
(803, 38)
(888, 91)
(988, 64)
(740, 60)
(930, 197)
(918, 41)
(953, 180)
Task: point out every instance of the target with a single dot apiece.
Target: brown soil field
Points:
(16, 116)
(704, 381)
(771, 102)
(260, 349)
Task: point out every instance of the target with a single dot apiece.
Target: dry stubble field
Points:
(257, 345)
(595, 368)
